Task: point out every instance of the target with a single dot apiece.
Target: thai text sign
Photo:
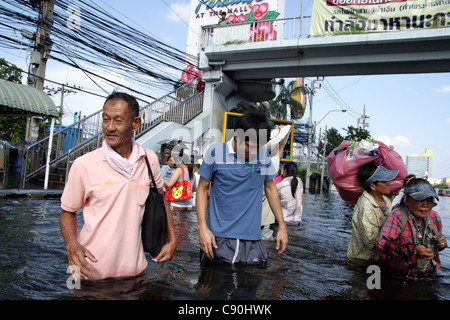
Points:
(364, 16)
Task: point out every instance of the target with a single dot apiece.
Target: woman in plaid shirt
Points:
(409, 246)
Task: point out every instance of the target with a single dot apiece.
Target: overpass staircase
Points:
(242, 67)
(179, 106)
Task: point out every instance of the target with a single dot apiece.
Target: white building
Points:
(420, 165)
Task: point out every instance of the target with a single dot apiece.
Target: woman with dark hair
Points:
(290, 191)
(183, 172)
(371, 209)
(410, 239)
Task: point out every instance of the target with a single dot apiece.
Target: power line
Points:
(341, 104)
(59, 83)
(444, 165)
(340, 99)
(103, 42)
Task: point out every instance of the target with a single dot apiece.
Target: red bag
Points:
(180, 190)
(344, 163)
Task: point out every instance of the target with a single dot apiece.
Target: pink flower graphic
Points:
(237, 19)
(260, 11)
(263, 32)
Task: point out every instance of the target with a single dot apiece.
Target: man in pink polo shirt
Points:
(111, 184)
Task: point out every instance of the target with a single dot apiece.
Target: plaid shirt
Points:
(398, 252)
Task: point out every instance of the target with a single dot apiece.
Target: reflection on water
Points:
(33, 262)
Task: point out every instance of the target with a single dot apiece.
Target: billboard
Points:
(335, 17)
(207, 12)
(300, 97)
(229, 119)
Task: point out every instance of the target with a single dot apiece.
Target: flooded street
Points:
(33, 262)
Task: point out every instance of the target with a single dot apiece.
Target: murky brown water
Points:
(314, 267)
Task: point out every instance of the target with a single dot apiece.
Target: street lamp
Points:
(311, 92)
(342, 110)
(324, 146)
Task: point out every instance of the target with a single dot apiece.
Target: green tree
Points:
(356, 134)
(277, 108)
(442, 185)
(10, 72)
(12, 128)
(334, 139)
(284, 99)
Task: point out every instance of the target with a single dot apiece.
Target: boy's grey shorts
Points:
(236, 251)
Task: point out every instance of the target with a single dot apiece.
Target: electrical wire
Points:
(337, 98)
(103, 42)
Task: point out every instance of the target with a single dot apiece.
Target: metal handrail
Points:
(255, 31)
(83, 133)
(191, 107)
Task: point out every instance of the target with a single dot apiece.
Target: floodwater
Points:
(33, 262)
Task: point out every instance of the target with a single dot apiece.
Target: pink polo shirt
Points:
(113, 207)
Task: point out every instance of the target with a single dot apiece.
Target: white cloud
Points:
(397, 141)
(177, 11)
(443, 89)
(113, 76)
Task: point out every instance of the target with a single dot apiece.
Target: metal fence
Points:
(86, 134)
(256, 31)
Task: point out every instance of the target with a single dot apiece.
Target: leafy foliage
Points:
(356, 134)
(10, 72)
(12, 128)
(334, 138)
(277, 107)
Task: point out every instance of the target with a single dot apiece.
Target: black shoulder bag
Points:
(154, 222)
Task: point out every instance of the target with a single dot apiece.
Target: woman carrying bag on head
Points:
(371, 210)
(410, 239)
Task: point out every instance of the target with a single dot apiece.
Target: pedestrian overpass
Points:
(242, 69)
(401, 52)
(238, 68)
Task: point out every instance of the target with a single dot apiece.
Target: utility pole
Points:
(43, 44)
(323, 160)
(63, 91)
(311, 92)
(38, 60)
(318, 143)
(39, 57)
(364, 117)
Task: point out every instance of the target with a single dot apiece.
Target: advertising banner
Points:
(207, 12)
(335, 17)
(300, 97)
